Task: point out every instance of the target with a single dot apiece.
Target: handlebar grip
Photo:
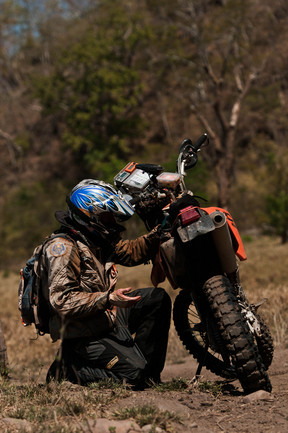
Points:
(201, 140)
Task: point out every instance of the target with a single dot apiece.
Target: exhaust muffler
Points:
(223, 243)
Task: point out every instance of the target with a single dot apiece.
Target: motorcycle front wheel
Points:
(234, 353)
(193, 335)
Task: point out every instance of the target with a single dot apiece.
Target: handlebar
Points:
(201, 140)
(188, 156)
(147, 189)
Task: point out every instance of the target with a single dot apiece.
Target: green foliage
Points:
(94, 92)
(277, 198)
(215, 388)
(23, 140)
(266, 97)
(117, 387)
(27, 218)
(196, 178)
(277, 209)
(177, 384)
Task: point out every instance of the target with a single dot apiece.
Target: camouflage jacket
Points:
(76, 280)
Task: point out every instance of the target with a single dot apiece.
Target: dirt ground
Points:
(228, 412)
(199, 411)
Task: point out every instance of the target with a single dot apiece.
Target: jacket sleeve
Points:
(135, 252)
(62, 262)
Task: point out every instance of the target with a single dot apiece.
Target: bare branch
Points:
(209, 71)
(5, 135)
(208, 128)
(11, 146)
(238, 80)
(220, 115)
(235, 112)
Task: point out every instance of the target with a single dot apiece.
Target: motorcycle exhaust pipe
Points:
(223, 242)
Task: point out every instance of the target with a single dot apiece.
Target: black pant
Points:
(118, 355)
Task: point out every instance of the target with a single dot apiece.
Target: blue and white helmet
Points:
(96, 203)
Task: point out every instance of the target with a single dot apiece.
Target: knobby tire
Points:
(239, 343)
(192, 340)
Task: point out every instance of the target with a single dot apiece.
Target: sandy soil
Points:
(228, 412)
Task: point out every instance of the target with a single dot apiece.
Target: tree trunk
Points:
(284, 237)
(223, 184)
(3, 355)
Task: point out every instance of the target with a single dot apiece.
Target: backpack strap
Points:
(37, 285)
(37, 263)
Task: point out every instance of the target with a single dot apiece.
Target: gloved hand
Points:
(166, 225)
(119, 299)
(164, 230)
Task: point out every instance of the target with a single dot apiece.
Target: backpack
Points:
(32, 305)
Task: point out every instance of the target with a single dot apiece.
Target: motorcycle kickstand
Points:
(195, 379)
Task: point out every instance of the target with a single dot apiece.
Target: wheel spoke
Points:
(192, 333)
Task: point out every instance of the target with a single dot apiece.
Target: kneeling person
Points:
(106, 333)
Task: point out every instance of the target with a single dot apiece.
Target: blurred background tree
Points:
(277, 199)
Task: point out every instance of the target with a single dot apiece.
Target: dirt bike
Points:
(211, 313)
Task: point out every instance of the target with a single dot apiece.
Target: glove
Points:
(164, 229)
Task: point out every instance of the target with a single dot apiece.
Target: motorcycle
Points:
(211, 313)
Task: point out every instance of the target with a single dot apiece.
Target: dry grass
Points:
(55, 407)
(264, 275)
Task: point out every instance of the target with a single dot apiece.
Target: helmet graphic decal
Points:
(95, 199)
